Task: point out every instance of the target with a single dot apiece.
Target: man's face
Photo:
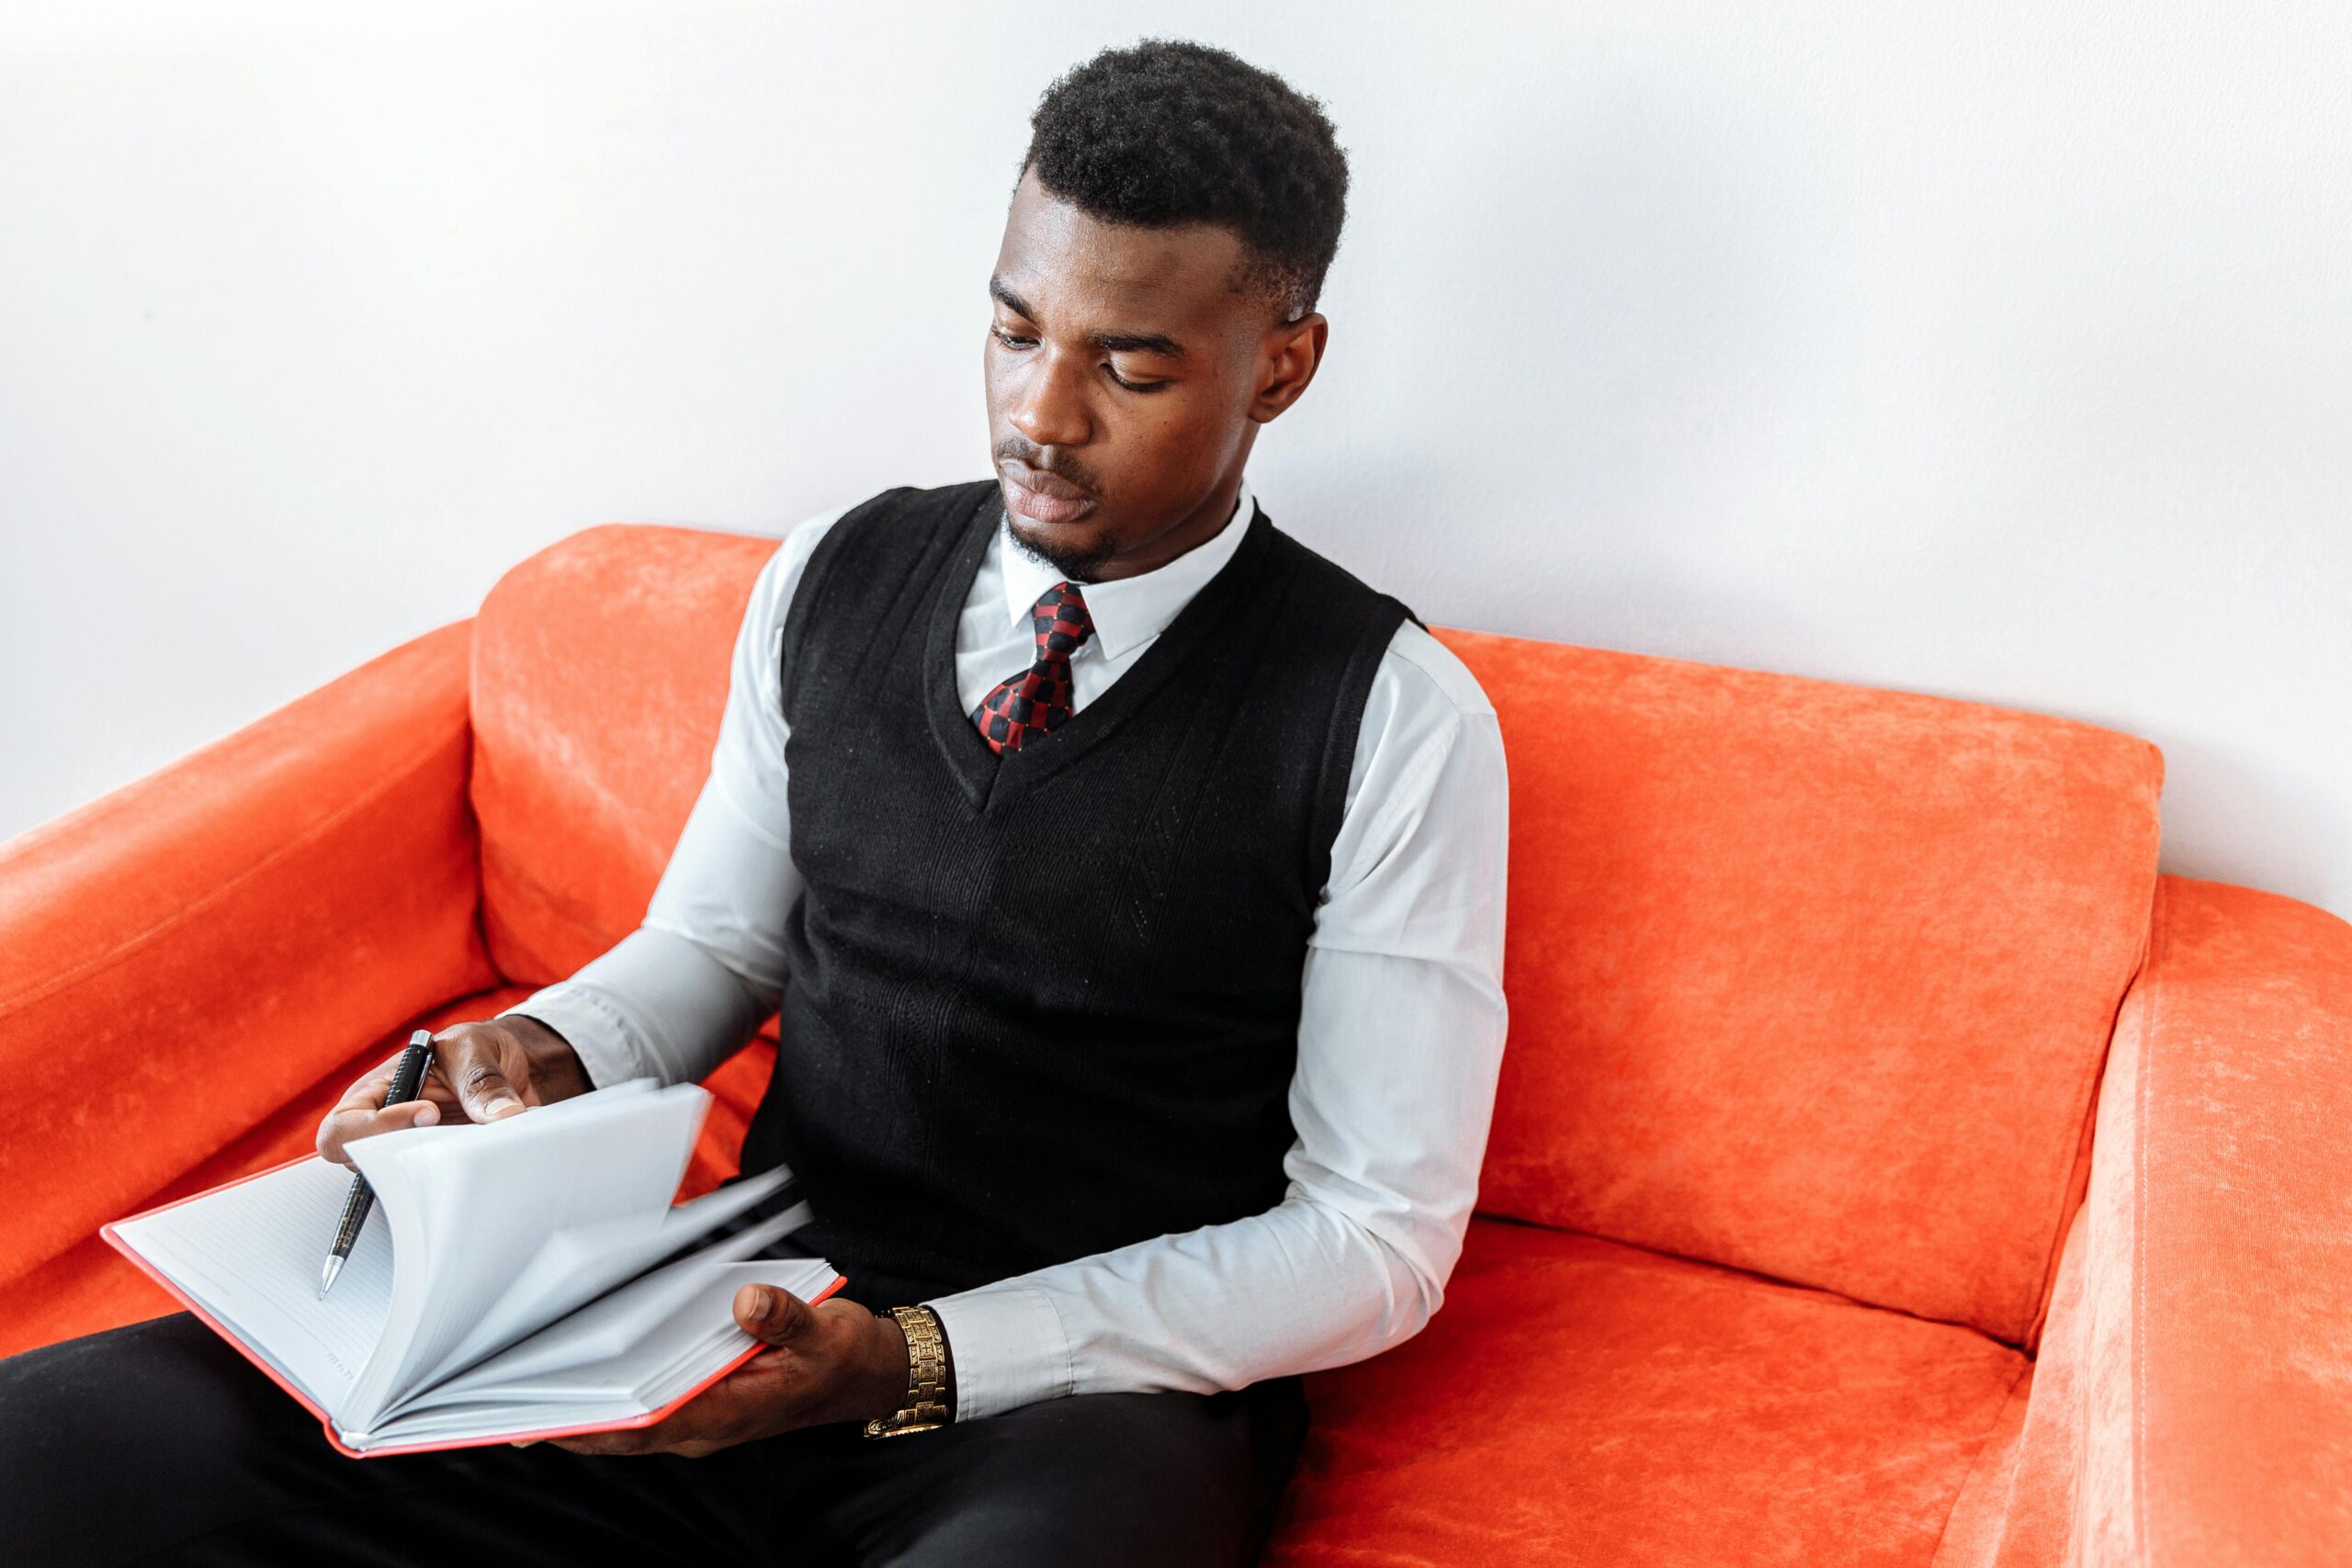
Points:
(1126, 379)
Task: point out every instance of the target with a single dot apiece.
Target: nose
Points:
(1049, 400)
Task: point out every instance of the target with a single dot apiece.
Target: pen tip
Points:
(326, 1275)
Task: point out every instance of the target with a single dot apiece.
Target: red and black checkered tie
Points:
(1039, 697)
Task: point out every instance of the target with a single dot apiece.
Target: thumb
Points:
(772, 1314)
(482, 1089)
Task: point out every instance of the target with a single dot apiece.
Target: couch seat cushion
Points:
(1581, 1401)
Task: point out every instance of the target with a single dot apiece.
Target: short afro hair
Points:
(1171, 131)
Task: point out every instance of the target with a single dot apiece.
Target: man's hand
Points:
(833, 1361)
(486, 1071)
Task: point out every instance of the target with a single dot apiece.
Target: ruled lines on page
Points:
(250, 1254)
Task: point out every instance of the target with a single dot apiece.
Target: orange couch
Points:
(1890, 1165)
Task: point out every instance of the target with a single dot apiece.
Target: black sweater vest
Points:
(1043, 1004)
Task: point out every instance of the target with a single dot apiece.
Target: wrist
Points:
(915, 1387)
(892, 1367)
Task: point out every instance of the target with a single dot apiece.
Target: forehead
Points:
(1062, 260)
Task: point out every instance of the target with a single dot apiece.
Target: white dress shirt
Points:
(1400, 1028)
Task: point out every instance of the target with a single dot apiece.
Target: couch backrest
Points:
(1806, 979)
(600, 673)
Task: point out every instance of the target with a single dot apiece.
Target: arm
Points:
(677, 996)
(2192, 1402)
(326, 846)
(1400, 1039)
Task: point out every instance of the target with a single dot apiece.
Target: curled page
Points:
(471, 1206)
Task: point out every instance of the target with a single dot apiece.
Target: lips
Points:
(1044, 497)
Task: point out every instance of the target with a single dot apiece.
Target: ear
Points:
(1288, 362)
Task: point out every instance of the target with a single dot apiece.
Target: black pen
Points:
(408, 1081)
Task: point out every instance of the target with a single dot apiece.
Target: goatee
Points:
(1075, 564)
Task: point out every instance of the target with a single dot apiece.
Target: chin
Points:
(1074, 550)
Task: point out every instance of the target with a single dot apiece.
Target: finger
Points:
(484, 1092)
(353, 1116)
(774, 1314)
(347, 1124)
(368, 1090)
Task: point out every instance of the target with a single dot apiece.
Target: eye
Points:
(1133, 386)
(1017, 343)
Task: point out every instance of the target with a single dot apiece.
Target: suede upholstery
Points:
(585, 735)
(180, 958)
(1575, 1399)
(2194, 1397)
(1811, 986)
(1786, 958)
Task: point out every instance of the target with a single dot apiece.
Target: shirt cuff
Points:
(1009, 1347)
(607, 1047)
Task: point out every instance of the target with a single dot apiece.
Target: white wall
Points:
(1996, 350)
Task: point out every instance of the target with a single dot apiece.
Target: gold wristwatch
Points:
(926, 1406)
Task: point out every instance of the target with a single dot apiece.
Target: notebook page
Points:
(611, 1329)
(251, 1254)
(393, 1163)
(703, 1336)
(482, 1202)
(698, 1336)
(573, 1266)
(687, 1347)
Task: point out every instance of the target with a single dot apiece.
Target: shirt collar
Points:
(1126, 612)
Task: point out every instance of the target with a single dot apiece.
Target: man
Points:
(1131, 881)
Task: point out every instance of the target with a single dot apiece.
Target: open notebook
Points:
(522, 1278)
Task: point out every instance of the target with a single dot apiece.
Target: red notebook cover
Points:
(326, 1422)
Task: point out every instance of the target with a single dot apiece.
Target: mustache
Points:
(1014, 449)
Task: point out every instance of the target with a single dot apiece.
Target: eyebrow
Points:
(1110, 343)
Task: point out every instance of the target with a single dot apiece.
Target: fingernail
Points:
(763, 1303)
(502, 1105)
(427, 1115)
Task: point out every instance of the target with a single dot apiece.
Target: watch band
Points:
(926, 1405)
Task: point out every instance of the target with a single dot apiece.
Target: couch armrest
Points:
(181, 956)
(2192, 1401)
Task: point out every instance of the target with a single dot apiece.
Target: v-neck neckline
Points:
(986, 775)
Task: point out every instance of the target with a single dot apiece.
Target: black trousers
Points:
(157, 1443)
